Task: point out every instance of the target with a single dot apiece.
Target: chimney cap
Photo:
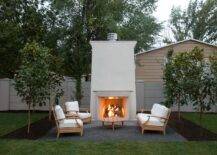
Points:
(112, 36)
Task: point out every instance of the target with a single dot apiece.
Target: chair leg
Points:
(164, 132)
(58, 134)
(81, 133)
(113, 126)
(143, 131)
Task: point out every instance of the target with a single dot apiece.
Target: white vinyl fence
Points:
(9, 100)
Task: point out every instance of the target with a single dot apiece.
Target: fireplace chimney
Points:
(113, 78)
(112, 36)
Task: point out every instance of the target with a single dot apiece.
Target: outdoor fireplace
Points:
(113, 94)
(112, 107)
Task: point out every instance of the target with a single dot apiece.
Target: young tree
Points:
(199, 81)
(175, 79)
(35, 79)
(169, 81)
(187, 79)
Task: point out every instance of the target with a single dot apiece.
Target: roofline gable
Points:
(179, 42)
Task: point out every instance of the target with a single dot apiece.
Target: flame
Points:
(110, 97)
(113, 110)
(112, 107)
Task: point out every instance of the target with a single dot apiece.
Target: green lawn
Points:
(12, 121)
(20, 147)
(209, 121)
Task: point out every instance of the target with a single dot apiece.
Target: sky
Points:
(164, 7)
(162, 13)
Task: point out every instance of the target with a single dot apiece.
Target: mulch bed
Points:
(190, 130)
(37, 130)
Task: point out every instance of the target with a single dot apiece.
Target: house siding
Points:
(150, 65)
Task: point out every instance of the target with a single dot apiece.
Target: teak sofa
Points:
(64, 125)
(156, 121)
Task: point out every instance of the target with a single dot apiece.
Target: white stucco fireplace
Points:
(113, 91)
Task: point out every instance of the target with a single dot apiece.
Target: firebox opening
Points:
(112, 107)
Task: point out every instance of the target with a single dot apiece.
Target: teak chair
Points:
(64, 125)
(73, 111)
(156, 121)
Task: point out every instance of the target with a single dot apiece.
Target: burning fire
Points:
(114, 111)
(112, 107)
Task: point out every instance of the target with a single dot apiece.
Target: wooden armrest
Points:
(71, 116)
(158, 117)
(84, 109)
(68, 112)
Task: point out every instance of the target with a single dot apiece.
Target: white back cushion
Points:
(72, 106)
(59, 112)
(159, 110)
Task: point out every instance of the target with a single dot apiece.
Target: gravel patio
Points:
(130, 132)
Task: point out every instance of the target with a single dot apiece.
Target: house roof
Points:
(195, 40)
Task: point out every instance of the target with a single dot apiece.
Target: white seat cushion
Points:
(143, 118)
(72, 106)
(159, 110)
(70, 123)
(83, 115)
(59, 112)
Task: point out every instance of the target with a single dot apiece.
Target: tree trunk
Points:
(29, 118)
(49, 110)
(78, 89)
(178, 101)
(179, 114)
(201, 113)
(199, 101)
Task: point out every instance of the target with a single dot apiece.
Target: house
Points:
(149, 68)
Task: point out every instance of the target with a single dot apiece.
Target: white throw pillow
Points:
(72, 106)
(59, 112)
(159, 110)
